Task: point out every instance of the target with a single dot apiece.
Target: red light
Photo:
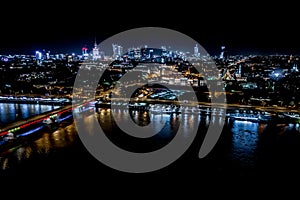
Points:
(3, 133)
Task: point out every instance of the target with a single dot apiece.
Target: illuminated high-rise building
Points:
(120, 50)
(223, 54)
(196, 51)
(117, 51)
(96, 53)
(38, 57)
(48, 55)
(85, 52)
(239, 71)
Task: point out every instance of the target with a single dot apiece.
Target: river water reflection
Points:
(244, 148)
(10, 112)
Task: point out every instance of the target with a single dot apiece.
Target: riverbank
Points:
(35, 99)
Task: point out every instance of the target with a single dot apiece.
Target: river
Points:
(11, 112)
(245, 151)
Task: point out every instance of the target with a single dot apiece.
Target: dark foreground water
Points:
(247, 152)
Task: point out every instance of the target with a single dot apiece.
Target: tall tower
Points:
(96, 54)
(84, 52)
(223, 54)
(38, 57)
(196, 51)
(115, 50)
(120, 50)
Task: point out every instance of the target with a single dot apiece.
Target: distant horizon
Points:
(243, 42)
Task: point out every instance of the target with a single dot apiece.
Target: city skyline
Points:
(72, 47)
(236, 45)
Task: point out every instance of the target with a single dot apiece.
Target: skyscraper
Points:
(117, 51)
(84, 52)
(120, 50)
(96, 53)
(223, 54)
(196, 51)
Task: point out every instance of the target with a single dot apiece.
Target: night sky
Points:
(245, 28)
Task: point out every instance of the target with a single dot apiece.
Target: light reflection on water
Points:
(10, 112)
(244, 141)
(243, 148)
(46, 144)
